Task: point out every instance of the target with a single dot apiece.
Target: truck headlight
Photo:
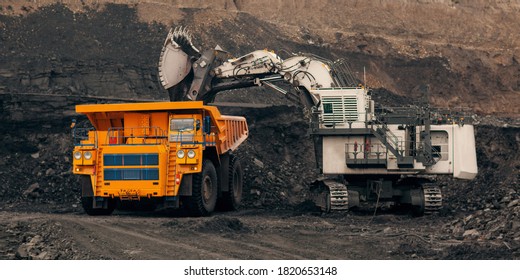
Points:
(191, 154)
(180, 153)
(77, 155)
(87, 155)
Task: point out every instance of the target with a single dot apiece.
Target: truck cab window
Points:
(182, 125)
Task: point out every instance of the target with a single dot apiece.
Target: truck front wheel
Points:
(87, 203)
(204, 193)
(87, 199)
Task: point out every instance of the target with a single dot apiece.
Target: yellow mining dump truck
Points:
(173, 154)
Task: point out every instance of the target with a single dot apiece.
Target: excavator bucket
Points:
(175, 61)
(174, 64)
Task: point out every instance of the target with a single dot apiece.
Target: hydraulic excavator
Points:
(364, 152)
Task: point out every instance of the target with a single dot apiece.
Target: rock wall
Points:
(464, 50)
(60, 52)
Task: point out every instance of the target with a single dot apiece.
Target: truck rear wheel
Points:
(204, 193)
(231, 199)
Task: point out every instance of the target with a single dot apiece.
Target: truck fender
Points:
(86, 186)
(223, 173)
(186, 185)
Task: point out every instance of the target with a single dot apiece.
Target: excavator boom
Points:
(189, 74)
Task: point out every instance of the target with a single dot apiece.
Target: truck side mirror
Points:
(207, 124)
(197, 125)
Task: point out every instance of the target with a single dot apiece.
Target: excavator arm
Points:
(189, 74)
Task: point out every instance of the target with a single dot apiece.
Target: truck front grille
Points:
(120, 174)
(130, 159)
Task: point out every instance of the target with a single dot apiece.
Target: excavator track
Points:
(432, 199)
(338, 195)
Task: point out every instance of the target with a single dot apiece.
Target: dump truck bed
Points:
(231, 131)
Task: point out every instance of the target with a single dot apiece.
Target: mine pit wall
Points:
(35, 111)
(112, 51)
(43, 112)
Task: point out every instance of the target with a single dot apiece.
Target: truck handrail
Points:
(80, 136)
(145, 135)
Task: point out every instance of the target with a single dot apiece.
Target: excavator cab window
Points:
(327, 108)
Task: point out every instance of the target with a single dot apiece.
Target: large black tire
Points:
(204, 192)
(230, 200)
(87, 199)
(87, 206)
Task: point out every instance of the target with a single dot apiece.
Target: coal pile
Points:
(26, 240)
(488, 208)
(278, 157)
(36, 173)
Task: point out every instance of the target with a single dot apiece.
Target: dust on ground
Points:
(246, 234)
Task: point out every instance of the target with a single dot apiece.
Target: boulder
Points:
(32, 190)
(471, 234)
(258, 163)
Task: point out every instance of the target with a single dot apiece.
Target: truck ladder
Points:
(99, 172)
(171, 172)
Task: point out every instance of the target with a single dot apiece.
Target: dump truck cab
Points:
(171, 154)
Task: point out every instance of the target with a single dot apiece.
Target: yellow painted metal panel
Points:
(90, 161)
(134, 107)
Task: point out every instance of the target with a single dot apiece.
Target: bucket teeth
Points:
(181, 37)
